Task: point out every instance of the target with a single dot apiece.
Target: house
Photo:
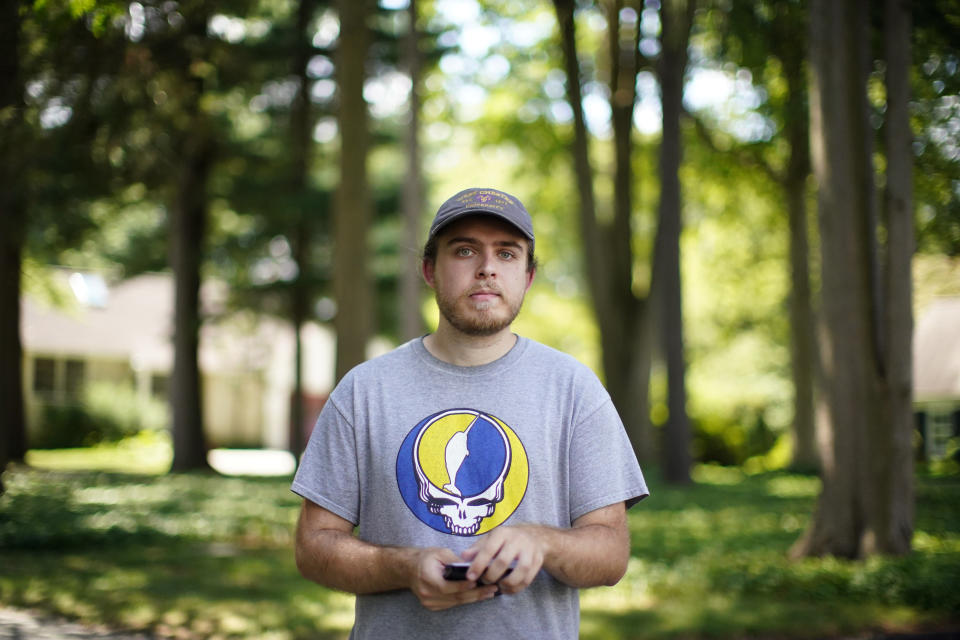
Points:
(936, 375)
(122, 333)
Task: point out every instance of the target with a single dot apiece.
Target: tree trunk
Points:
(620, 314)
(845, 332)
(189, 222)
(351, 280)
(630, 338)
(890, 525)
(676, 18)
(188, 226)
(13, 222)
(411, 318)
(865, 506)
(803, 347)
(301, 139)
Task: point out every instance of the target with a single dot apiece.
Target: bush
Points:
(107, 413)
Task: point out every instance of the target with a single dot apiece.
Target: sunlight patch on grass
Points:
(631, 593)
(794, 486)
(147, 452)
(717, 475)
(923, 541)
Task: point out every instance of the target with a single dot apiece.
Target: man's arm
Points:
(329, 554)
(593, 552)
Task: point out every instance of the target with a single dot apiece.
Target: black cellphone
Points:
(458, 571)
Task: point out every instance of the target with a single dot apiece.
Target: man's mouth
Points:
(484, 294)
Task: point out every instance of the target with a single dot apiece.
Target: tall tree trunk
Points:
(351, 281)
(188, 226)
(890, 524)
(865, 506)
(301, 138)
(411, 318)
(803, 346)
(676, 17)
(189, 222)
(845, 333)
(13, 222)
(629, 338)
(620, 314)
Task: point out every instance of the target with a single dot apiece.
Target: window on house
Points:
(74, 377)
(939, 432)
(44, 375)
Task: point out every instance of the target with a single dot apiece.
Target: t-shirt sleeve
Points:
(603, 467)
(328, 474)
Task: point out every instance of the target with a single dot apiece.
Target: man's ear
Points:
(428, 270)
(530, 275)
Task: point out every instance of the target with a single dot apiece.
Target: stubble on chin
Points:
(478, 320)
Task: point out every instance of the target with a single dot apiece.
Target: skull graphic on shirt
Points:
(474, 486)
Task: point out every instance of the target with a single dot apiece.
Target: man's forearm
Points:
(587, 556)
(340, 561)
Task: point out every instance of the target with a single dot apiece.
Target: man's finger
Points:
(482, 553)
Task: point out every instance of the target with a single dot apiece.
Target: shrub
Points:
(108, 412)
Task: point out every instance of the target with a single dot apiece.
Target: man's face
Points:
(480, 274)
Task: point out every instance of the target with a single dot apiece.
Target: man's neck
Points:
(456, 348)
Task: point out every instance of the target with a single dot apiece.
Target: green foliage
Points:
(935, 109)
(202, 556)
(711, 561)
(107, 412)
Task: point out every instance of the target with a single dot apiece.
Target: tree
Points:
(51, 164)
(625, 317)
(866, 505)
(351, 281)
(608, 255)
(411, 319)
(770, 40)
(189, 213)
(677, 18)
(13, 222)
(301, 143)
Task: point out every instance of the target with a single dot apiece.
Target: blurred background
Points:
(748, 224)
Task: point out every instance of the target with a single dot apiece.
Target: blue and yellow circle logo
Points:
(462, 471)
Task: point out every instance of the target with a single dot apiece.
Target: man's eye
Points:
(506, 255)
(463, 251)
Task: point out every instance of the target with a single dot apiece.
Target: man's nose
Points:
(487, 266)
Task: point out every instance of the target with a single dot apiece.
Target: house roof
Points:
(132, 321)
(936, 351)
(131, 317)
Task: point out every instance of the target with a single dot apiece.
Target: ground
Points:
(17, 624)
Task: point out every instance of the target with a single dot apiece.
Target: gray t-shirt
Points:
(419, 452)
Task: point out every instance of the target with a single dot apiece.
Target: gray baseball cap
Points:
(485, 201)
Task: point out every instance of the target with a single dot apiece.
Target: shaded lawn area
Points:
(205, 556)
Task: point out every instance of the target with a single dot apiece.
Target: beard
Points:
(478, 319)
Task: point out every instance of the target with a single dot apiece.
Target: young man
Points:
(469, 445)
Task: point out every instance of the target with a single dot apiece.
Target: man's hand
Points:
(593, 552)
(436, 593)
(519, 547)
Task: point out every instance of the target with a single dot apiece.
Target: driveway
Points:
(17, 624)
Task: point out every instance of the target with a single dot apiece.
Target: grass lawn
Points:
(206, 556)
